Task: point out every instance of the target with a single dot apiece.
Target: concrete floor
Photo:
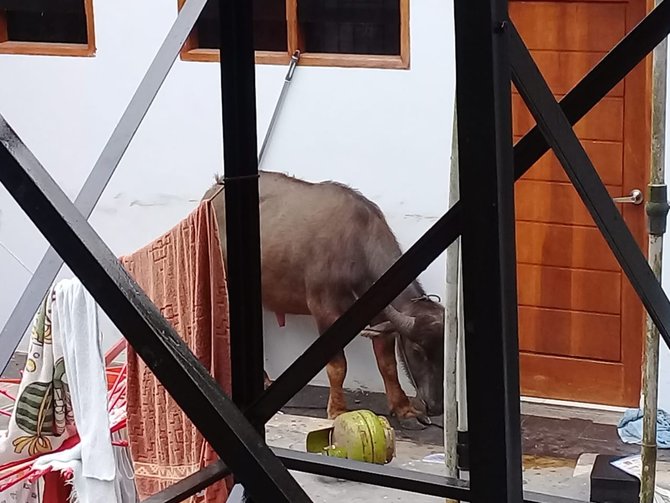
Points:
(555, 476)
(541, 473)
(545, 475)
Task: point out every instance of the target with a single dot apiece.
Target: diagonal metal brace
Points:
(155, 340)
(575, 161)
(102, 172)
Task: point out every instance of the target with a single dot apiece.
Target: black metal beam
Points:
(378, 475)
(155, 340)
(558, 132)
(238, 92)
(486, 176)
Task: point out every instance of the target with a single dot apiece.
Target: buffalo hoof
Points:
(412, 423)
(425, 420)
(334, 413)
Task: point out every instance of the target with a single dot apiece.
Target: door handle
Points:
(636, 197)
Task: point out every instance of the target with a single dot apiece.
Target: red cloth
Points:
(182, 272)
(56, 489)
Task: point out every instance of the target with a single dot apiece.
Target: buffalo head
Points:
(421, 348)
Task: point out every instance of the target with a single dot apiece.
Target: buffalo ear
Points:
(385, 326)
(381, 329)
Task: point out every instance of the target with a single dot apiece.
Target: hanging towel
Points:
(630, 428)
(182, 273)
(42, 417)
(124, 484)
(75, 324)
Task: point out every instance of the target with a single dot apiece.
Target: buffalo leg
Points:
(384, 348)
(266, 380)
(325, 312)
(337, 372)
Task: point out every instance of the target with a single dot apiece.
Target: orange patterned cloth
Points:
(182, 272)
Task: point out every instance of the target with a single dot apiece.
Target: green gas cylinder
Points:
(360, 435)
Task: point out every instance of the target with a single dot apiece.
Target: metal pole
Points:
(238, 94)
(275, 114)
(486, 179)
(461, 384)
(657, 209)
(451, 326)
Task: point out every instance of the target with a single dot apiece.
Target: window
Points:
(351, 33)
(48, 27)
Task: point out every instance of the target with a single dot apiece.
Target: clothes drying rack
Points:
(15, 472)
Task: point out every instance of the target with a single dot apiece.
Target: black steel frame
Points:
(489, 52)
(486, 174)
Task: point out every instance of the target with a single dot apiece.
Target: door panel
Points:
(580, 322)
(607, 157)
(570, 289)
(603, 123)
(571, 333)
(553, 203)
(570, 26)
(572, 378)
(564, 246)
(562, 70)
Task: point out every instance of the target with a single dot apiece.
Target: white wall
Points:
(385, 132)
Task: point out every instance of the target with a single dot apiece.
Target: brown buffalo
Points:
(322, 246)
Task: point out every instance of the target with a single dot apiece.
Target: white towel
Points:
(85, 489)
(75, 323)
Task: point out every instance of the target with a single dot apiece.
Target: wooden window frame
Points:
(50, 48)
(191, 52)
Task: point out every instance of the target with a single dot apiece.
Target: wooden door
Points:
(580, 322)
